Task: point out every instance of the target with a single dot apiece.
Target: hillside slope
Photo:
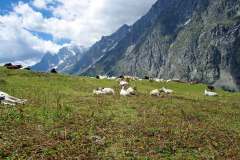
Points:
(63, 120)
(188, 40)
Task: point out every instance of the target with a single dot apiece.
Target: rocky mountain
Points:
(191, 40)
(99, 50)
(62, 61)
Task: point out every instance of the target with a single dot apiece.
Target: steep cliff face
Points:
(185, 39)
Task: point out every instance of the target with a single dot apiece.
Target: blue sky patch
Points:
(42, 35)
(63, 41)
(48, 37)
(6, 5)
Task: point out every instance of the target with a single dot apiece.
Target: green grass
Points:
(62, 117)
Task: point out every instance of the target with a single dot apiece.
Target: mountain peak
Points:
(62, 61)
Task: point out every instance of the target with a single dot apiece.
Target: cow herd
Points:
(127, 90)
(17, 66)
(124, 85)
(12, 66)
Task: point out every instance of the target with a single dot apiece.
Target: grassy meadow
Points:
(63, 120)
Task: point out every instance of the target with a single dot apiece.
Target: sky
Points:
(31, 28)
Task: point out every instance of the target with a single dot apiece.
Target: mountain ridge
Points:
(191, 40)
(61, 61)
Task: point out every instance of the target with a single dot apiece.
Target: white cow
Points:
(108, 91)
(101, 77)
(112, 78)
(127, 92)
(98, 92)
(104, 91)
(169, 80)
(208, 93)
(165, 90)
(124, 92)
(131, 91)
(155, 92)
(123, 83)
(6, 99)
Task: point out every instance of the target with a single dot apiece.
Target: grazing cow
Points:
(10, 100)
(155, 93)
(131, 90)
(28, 68)
(103, 91)
(112, 78)
(211, 88)
(124, 92)
(165, 90)
(210, 94)
(121, 77)
(19, 66)
(130, 78)
(169, 80)
(108, 91)
(158, 80)
(97, 77)
(101, 77)
(14, 67)
(53, 71)
(127, 92)
(146, 77)
(7, 64)
(123, 83)
(98, 91)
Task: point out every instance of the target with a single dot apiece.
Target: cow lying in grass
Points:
(127, 91)
(157, 92)
(104, 91)
(7, 64)
(211, 88)
(54, 71)
(11, 66)
(6, 99)
(28, 68)
(210, 94)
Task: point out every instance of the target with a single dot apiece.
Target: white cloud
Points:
(88, 20)
(81, 21)
(19, 44)
(41, 4)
